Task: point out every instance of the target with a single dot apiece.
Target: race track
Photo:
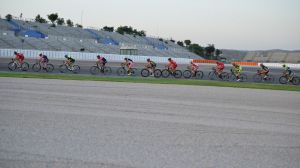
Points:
(57, 123)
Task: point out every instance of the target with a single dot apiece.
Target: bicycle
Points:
(65, 67)
(37, 67)
(232, 76)
(96, 69)
(167, 72)
(189, 74)
(259, 77)
(284, 79)
(213, 75)
(146, 73)
(14, 64)
(122, 71)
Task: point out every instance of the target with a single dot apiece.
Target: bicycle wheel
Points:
(232, 77)
(283, 80)
(121, 71)
(145, 73)
(270, 79)
(76, 69)
(257, 78)
(12, 66)
(50, 68)
(187, 74)
(107, 70)
(25, 66)
(177, 74)
(36, 67)
(296, 80)
(94, 70)
(199, 75)
(157, 73)
(165, 73)
(63, 68)
(212, 75)
(243, 77)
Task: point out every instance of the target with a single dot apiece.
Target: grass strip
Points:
(152, 80)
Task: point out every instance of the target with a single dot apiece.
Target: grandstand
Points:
(276, 56)
(22, 34)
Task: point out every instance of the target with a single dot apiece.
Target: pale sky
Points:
(229, 24)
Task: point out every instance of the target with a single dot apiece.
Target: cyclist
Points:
(264, 71)
(70, 61)
(43, 60)
(237, 70)
(288, 72)
(19, 57)
(101, 61)
(129, 64)
(219, 68)
(172, 65)
(151, 65)
(194, 67)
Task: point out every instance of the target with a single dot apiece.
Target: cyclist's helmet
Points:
(234, 64)
(41, 54)
(98, 56)
(66, 56)
(283, 65)
(148, 59)
(15, 53)
(169, 59)
(262, 65)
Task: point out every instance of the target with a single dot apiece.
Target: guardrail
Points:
(83, 56)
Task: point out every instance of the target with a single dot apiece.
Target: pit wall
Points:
(83, 56)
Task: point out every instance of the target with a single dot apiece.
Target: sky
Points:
(228, 24)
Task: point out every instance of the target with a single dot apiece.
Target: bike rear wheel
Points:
(12, 66)
(63, 68)
(157, 73)
(94, 70)
(283, 80)
(187, 74)
(36, 67)
(145, 73)
(121, 71)
(199, 75)
(165, 73)
(212, 75)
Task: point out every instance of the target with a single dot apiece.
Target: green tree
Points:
(39, 19)
(60, 21)
(70, 23)
(79, 25)
(209, 51)
(180, 43)
(8, 17)
(109, 29)
(197, 49)
(53, 17)
(218, 53)
(187, 42)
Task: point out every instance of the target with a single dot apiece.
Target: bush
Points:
(8, 17)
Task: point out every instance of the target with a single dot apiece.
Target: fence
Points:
(82, 56)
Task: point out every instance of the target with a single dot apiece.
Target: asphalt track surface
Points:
(60, 123)
(85, 66)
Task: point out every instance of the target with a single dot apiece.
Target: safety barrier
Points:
(59, 55)
(247, 63)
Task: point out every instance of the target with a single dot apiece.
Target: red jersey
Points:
(220, 65)
(20, 56)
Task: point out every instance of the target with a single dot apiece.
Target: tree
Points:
(53, 17)
(60, 21)
(109, 29)
(209, 50)
(70, 23)
(187, 42)
(173, 41)
(8, 17)
(39, 19)
(78, 25)
(180, 43)
(197, 49)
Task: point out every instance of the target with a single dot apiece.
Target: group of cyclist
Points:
(171, 66)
